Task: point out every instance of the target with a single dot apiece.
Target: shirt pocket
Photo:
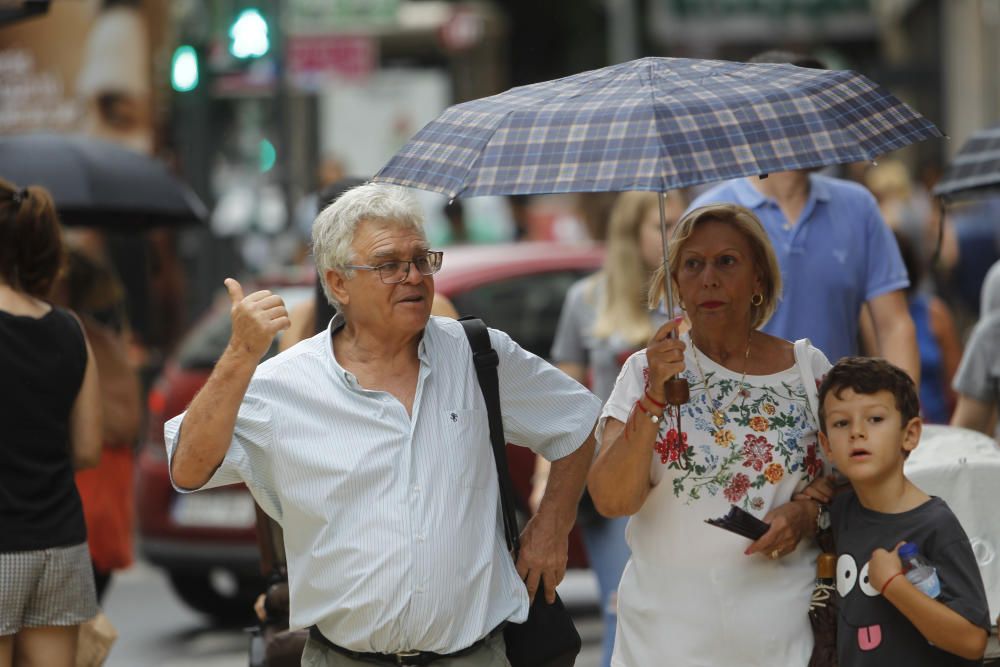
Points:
(466, 437)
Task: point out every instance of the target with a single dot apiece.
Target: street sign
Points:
(313, 58)
(307, 17)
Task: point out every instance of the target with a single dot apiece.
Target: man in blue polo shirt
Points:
(836, 255)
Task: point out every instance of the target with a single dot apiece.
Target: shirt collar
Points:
(338, 322)
(750, 197)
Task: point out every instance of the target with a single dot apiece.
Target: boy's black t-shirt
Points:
(870, 630)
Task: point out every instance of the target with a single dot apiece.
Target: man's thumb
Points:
(235, 290)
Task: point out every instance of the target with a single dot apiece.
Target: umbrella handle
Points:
(677, 391)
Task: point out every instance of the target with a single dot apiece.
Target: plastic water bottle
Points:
(918, 571)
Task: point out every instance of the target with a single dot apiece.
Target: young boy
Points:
(869, 424)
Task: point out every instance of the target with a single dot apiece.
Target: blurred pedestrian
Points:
(604, 320)
(937, 339)
(370, 446)
(978, 379)
(836, 255)
(693, 594)
(50, 409)
(93, 291)
(329, 173)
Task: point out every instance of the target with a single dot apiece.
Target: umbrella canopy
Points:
(99, 183)
(975, 171)
(655, 124)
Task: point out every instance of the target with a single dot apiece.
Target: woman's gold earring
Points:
(757, 299)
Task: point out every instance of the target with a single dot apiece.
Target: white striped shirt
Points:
(392, 525)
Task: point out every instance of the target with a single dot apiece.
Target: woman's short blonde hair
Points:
(764, 259)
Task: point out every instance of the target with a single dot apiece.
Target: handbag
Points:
(272, 644)
(94, 641)
(548, 638)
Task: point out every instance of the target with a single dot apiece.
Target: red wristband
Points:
(889, 581)
(653, 400)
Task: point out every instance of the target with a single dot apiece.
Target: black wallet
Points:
(741, 522)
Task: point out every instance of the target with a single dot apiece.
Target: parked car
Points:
(207, 541)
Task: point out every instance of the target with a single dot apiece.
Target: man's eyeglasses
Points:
(395, 272)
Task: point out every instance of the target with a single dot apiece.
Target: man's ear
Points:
(335, 282)
(911, 434)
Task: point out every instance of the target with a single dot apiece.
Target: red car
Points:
(207, 541)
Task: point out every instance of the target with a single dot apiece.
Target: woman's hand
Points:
(665, 356)
(789, 523)
(820, 489)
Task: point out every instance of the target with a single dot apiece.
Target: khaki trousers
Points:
(493, 653)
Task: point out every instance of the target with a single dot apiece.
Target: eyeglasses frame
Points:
(410, 263)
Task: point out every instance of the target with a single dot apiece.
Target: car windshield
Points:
(204, 345)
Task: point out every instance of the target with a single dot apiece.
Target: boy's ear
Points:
(824, 442)
(911, 434)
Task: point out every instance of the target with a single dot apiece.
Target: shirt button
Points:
(421, 537)
(416, 488)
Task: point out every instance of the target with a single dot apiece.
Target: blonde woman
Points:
(693, 594)
(604, 320)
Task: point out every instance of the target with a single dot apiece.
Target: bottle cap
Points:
(826, 566)
(908, 550)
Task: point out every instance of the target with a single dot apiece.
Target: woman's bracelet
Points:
(656, 419)
(652, 400)
(889, 581)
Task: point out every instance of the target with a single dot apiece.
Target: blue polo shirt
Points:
(839, 255)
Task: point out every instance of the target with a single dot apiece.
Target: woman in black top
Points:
(50, 423)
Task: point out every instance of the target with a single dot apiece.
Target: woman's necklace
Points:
(719, 417)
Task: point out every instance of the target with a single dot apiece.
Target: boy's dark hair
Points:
(869, 375)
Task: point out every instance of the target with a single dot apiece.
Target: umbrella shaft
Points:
(668, 292)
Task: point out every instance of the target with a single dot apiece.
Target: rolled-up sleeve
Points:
(247, 459)
(978, 374)
(628, 389)
(542, 407)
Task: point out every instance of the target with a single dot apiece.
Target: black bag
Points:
(548, 638)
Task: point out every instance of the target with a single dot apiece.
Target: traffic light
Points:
(184, 69)
(248, 36)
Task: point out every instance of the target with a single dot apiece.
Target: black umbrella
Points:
(99, 183)
(823, 612)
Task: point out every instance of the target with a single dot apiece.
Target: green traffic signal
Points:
(248, 35)
(184, 69)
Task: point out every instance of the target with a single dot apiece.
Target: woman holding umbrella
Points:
(692, 594)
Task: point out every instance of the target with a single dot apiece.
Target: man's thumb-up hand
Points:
(256, 318)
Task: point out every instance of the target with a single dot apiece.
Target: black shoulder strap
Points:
(486, 361)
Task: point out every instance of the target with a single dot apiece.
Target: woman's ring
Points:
(775, 554)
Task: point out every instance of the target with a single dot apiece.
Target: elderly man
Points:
(369, 444)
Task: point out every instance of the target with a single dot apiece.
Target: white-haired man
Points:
(369, 444)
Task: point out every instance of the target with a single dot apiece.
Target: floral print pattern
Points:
(765, 438)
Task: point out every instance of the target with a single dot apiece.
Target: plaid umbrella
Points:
(975, 171)
(655, 124)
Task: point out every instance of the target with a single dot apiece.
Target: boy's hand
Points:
(883, 565)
